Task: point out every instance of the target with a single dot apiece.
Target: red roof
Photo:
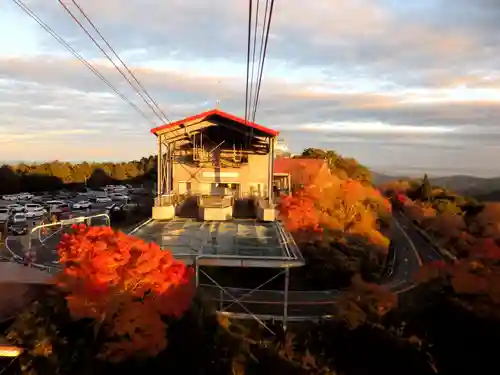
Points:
(302, 171)
(288, 165)
(216, 112)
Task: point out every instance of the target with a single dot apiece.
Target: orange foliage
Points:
(448, 225)
(485, 249)
(125, 285)
(400, 186)
(402, 198)
(418, 212)
(475, 279)
(299, 212)
(335, 204)
(487, 222)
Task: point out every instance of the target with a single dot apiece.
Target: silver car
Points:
(19, 218)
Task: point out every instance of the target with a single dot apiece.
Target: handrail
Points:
(61, 223)
(223, 201)
(51, 269)
(74, 220)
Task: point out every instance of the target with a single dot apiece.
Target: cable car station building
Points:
(213, 165)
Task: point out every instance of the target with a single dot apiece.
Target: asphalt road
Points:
(426, 252)
(411, 252)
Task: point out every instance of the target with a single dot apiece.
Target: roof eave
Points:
(267, 131)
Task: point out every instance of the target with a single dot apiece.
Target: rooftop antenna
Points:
(217, 101)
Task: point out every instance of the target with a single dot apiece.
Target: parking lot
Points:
(70, 199)
(44, 239)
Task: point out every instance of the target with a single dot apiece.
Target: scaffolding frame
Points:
(240, 299)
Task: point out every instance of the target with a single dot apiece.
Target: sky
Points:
(403, 86)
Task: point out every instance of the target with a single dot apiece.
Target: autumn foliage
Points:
(300, 212)
(125, 285)
(364, 302)
(332, 203)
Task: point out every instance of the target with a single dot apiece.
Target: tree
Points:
(448, 225)
(125, 285)
(299, 212)
(474, 279)
(486, 223)
(425, 190)
(337, 205)
(364, 302)
(314, 153)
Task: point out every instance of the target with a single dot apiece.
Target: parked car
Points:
(10, 197)
(114, 207)
(119, 197)
(24, 196)
(82, 205)
(53, 204)
(139, 191)
(15, 208)
(34, 210)
(61, 207)
(100, 199)
(18, 218)
(4, 214)
(19, 229)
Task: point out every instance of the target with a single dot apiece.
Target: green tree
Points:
(425, 190)
(314, 153)
(119, 172)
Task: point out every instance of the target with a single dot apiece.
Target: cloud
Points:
(373, 128)
(360, 75)
(11, 138)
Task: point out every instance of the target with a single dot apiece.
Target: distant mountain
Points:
(469, 185)
(381, 178)
(484, 189)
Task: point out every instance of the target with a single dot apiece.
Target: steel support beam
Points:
(168, 169)
(159, 162)
(238, 301)
(271, 170)
(285, 298)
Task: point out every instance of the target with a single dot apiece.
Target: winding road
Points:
(411, 251)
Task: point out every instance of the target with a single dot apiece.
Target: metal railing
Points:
(213, 201)
(58, 226)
